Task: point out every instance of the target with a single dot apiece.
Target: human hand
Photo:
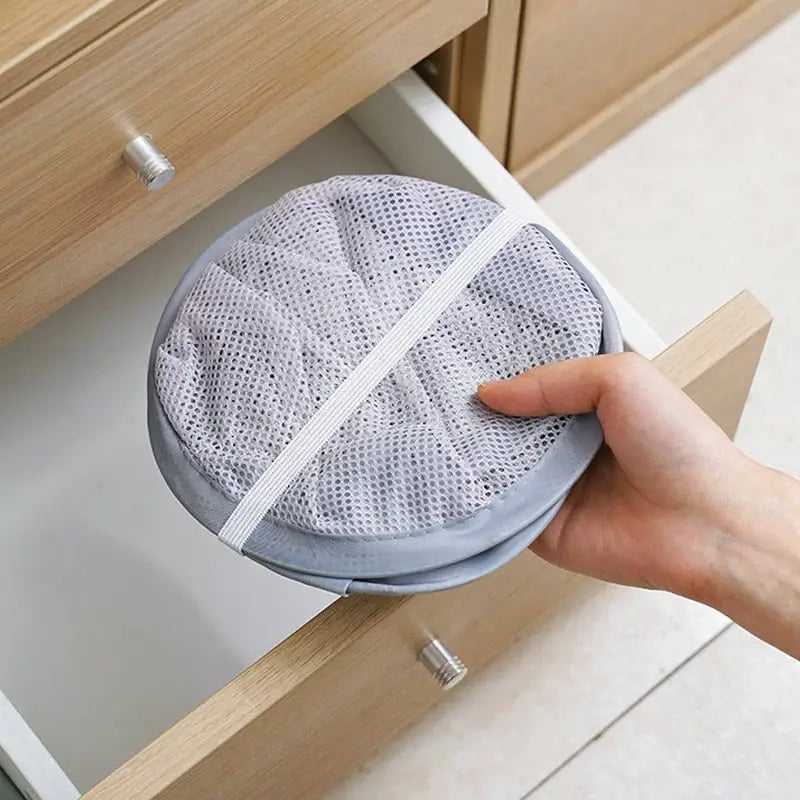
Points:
(668, 490)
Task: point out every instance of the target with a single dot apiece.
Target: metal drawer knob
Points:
(151, 166)
(442, 664)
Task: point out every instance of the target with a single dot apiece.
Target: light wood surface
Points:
(488, 67)
(716, 361)
(553, 137)
(326, 698)
(35, 34)
(223, 86)
(475, 73)
(576, 57)
(442, 71)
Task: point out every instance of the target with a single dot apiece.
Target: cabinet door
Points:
(589, 70)
(475, 74)
(331, 694)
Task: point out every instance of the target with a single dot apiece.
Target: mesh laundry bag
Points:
(312, 384)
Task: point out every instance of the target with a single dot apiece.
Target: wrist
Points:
(743, 538)
(751, 567)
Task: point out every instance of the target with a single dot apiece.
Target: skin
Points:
(669, 503)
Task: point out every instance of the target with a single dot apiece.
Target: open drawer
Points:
(125, 615)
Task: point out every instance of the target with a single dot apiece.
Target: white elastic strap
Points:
(386, 355)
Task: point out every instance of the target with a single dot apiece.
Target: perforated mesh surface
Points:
(270, 330)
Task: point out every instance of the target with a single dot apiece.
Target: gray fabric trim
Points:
(434, 580)
(442, 545)
(445, 556)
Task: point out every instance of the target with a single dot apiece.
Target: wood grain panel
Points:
(223, 86)
(35, 34)
(329, 696)
(578, 56)
(442, 71)
(553, 163)
(488, 73)
(716, 361)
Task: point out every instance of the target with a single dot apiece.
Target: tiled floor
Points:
(517, 722)
(724, 726)
(627, 693)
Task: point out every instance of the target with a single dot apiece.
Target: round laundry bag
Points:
(311, 385)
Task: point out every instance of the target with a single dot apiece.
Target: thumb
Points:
(575, 386)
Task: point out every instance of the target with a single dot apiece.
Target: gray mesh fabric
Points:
(272, 324)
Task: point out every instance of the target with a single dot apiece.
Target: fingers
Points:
(566, 387)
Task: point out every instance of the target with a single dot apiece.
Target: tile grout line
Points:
(530, 793)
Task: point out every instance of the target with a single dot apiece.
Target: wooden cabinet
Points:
(547, 84)
(36, 34)
(224, 88)
(323, 699)
(578, 56)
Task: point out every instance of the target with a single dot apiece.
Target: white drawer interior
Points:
(119, 612)
(25, 762)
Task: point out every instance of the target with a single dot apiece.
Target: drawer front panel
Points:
(36, 34)
(224, 87)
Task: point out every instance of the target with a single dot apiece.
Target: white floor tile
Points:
(506, 729)
(725, 726)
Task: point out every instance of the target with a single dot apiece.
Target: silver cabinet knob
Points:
(151, 166)
(442, 664)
